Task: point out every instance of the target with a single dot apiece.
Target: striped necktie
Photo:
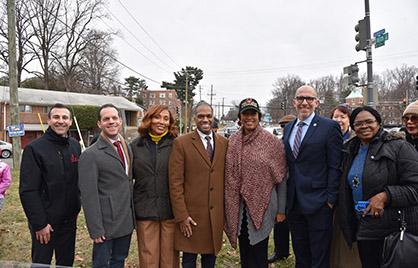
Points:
(209, 148)
(297, 141)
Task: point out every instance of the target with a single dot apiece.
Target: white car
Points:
(5, 149)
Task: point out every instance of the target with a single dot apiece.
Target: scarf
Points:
(157, 138)
(255, 163)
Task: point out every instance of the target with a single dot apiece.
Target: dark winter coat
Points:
(391, 166)
(150, 172)
(49, 180)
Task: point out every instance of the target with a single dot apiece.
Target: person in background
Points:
(380, 170)
(255, 166)
(313, 147)
(105, 172)
(49, 190)
(154, 216)
(5, 181)
(343, 256)
(341, 114)
(410, 121)
(196, 176)
(281, 229)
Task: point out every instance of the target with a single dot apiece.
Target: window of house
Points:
(23, 108)
(151, 102)
(170, 95)
(45, 109)
(162, 95)
(152, 95)
(162, 102)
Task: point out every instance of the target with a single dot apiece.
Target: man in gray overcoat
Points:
(106, 191)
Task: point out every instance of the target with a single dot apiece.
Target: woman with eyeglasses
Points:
(410, 121)
(379, 177)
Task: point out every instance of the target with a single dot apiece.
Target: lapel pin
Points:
(315, 124)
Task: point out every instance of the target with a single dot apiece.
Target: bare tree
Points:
(78, 15)
(24, 34)
(98, 66)
(283, 92)
(399, 83)
(47, 31)
(326, 88)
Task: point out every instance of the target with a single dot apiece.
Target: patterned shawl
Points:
(255, 163)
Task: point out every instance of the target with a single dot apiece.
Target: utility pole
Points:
(370, 86)
(223, 105)
(211, 94)
(186, 123)
(200, 93)
(14, 100)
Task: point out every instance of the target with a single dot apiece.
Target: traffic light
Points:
(416, 82)
(282, 105)
(361, 36)
(352, 74)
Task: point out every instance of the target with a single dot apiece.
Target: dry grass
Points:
(15, 240)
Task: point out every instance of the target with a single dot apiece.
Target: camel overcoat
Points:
(197, 190)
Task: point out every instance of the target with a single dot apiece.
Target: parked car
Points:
(229, 131)
(5, 149)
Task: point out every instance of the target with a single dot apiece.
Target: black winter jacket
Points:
(150, 172)
(49, 180)
(391, 166)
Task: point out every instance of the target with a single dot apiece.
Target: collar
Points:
(157, 138)
(203, 135)
(54, 137)
(307, 121)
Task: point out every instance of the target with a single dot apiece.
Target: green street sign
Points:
(380, 40)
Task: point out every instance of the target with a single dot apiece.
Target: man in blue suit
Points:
(313, 147)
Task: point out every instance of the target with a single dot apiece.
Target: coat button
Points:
(211, 188)
(211, 207)
(372, 157)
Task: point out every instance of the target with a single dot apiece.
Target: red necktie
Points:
(120, 153)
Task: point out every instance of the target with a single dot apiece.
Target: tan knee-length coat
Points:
(197, 190)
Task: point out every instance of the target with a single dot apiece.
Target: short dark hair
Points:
(367, 109)
(344, 108)
(200, 103)
(59, 106)
(107, 105)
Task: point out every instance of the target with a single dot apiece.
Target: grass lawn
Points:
(15, 243)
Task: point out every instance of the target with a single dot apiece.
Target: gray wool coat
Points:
(106, 190)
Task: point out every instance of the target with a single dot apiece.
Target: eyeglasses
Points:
(300, 99)
(368, 122)
(413, 118)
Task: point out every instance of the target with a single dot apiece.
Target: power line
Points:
(104, 52)
(146, 32)
(136, 38)
(134, 48)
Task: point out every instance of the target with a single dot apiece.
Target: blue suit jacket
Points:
(315, 174)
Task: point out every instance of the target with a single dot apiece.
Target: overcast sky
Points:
(244, 46)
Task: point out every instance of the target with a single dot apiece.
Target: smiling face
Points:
(160, 123)
(305, 102)
(60, 121)
(203, 119)
(343, 119)
(365, 126)
(109, 122)
(411, 124)
(249, 120)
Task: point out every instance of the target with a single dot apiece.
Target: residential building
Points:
(164, 97)
(34, 105)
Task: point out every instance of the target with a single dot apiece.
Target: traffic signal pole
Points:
(370, 85)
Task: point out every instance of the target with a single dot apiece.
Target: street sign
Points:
(380, 32)
(16, 130)
(380, 38)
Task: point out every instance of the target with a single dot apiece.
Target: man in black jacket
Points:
(49, 190)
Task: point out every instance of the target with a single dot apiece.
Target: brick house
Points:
(164, 97)
(34, 105)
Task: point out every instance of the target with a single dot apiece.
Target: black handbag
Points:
(400, 249)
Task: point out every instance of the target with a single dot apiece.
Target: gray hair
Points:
(200, 103)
